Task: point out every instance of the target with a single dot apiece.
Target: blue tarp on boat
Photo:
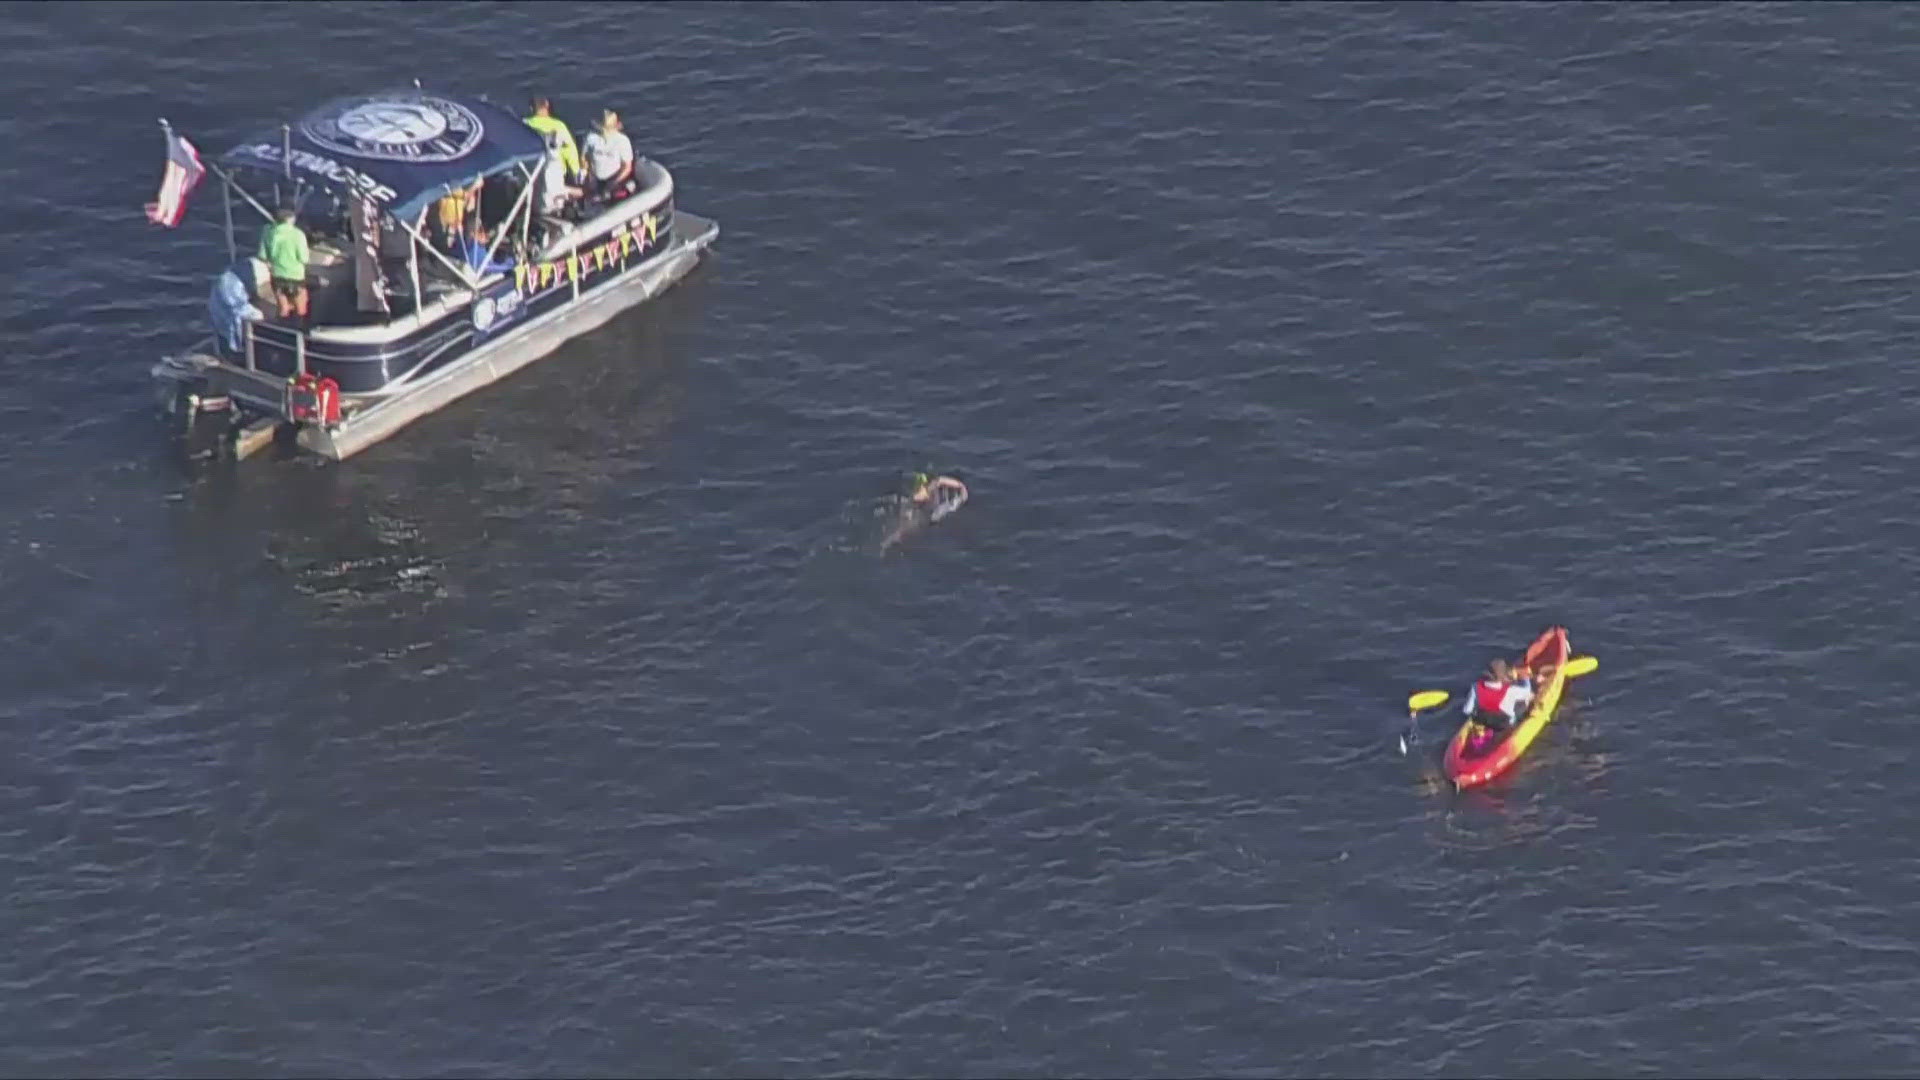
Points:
(402, 149)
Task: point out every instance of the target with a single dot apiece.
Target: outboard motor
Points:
(205, 424)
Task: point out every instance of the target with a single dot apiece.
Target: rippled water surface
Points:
(1298, 357)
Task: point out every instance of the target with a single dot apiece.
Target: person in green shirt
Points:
(544, 122)
(283, 247)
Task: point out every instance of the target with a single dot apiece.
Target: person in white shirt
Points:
(609, 155)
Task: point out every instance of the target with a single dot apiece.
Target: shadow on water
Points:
(895, 519)
(1527, 802)
(383, 530)
(848, 553)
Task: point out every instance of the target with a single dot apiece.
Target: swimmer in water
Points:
(926, 500)
(924, 488)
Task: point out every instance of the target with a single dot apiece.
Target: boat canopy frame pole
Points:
(413, 265)
(466, 275)
(460, 272)
(526, 219)
(235, 185)
(226, 211)
(519, 204)
(522, 208)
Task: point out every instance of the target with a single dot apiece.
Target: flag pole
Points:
(166, 132)
(226, 207)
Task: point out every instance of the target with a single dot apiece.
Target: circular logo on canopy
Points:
(398, 127)
(483, 313)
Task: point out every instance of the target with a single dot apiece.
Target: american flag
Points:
(183, 175)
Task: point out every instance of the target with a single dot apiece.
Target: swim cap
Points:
(919, 479)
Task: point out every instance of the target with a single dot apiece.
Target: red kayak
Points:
(1477, 754)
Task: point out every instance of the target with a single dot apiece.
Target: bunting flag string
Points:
(616, 249)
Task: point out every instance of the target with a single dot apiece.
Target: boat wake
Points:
(354, 570)
(897, 517)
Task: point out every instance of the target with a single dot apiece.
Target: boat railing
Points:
(284, 337)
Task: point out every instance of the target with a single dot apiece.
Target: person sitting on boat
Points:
(1501, 696)
(543, 121)
(283, 247)
(609, 159)
(453, 211)
(231, 307)
(475, 251)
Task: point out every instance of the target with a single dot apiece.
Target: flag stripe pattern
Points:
(183, 175)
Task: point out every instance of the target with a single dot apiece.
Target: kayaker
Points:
(1501, 696)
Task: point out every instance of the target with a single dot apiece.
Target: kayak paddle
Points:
(1582, 665)
(1425, 699)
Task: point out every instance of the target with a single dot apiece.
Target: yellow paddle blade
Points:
(1581, 665)
(1425, 699)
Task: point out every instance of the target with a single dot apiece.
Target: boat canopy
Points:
(401, 149)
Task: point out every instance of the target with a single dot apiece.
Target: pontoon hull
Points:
(484, 355)
(508, 353)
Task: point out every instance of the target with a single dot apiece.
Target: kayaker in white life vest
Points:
(1501, 696)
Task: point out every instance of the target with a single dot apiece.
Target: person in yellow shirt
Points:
(456, 212)
(544, 122)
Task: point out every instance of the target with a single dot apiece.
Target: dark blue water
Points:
(1298, 357)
